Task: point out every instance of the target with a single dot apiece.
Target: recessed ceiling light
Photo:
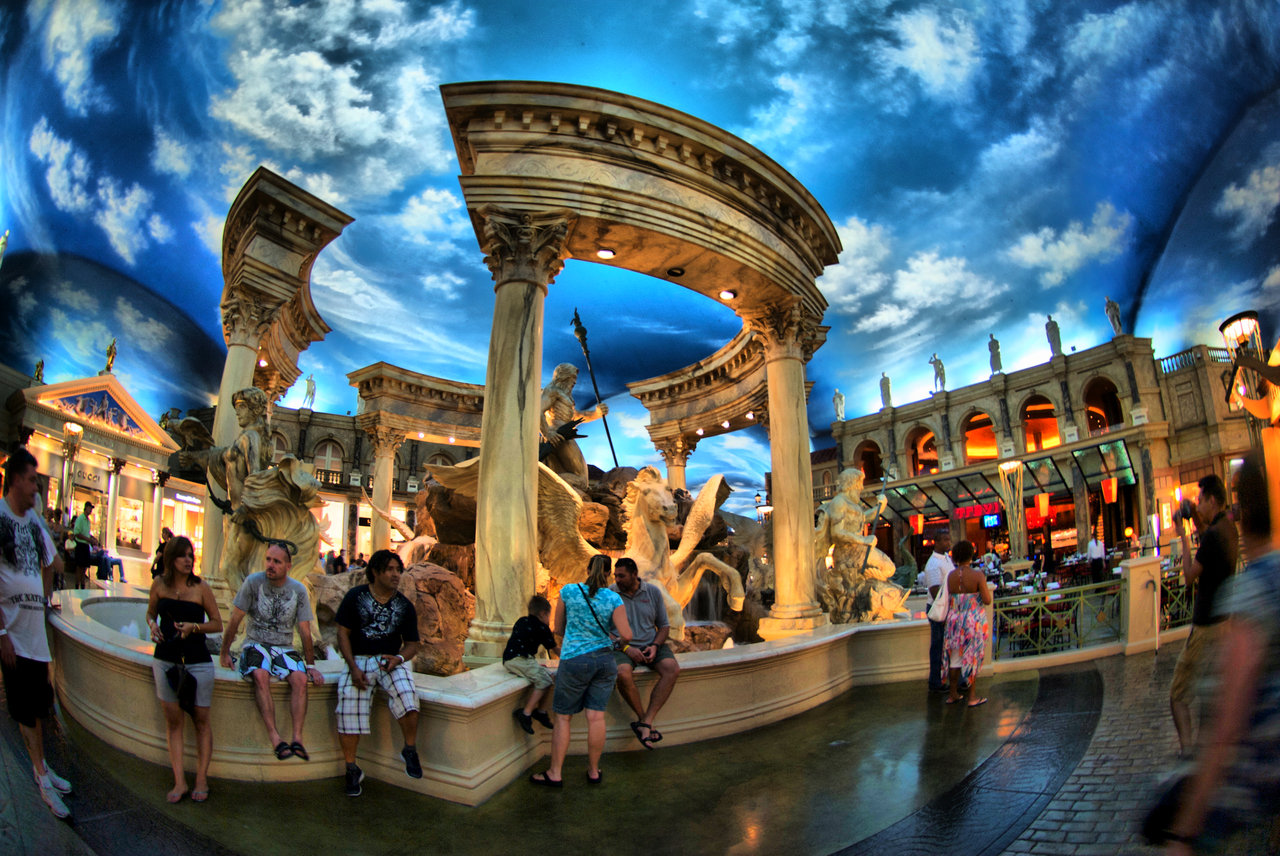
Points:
(605, 253)
(675, 272)
(262, 364)
(728, 294)
(421, 435)
(698, 432)
(751, 414)
(724, 424)
(450, 439)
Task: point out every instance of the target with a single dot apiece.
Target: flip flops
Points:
(199, 796)
(978, 703)
(283, 751)
(598, 780)
(646, 741)
(544, 781)
(298, 751)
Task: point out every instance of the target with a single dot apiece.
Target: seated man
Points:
(377, 635)
(275, 603)
(647, 615)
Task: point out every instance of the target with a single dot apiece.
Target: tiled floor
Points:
(1058, 762)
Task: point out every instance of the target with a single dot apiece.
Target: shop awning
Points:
(1043, 476)
(906, 500)
(968, 489)
(1103, 461)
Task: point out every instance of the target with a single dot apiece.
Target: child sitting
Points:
(530, 633)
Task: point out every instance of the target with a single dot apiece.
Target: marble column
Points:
(109, 541)
(675, 453)
(785, 332)
(386, 442)
(70, 448)
(245, 318)
(157, 508)
(524, 251)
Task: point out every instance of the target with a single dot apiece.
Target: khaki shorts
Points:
(664, 653)
(1198, 653)
(530, 669)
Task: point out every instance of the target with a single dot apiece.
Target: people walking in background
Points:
(938, 566)
(157, 562)
(1097, 554)
(592, 620)
(967, 626)
(180, 611)
(82, 533)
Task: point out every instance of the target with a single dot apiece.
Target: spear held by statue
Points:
(581, 333)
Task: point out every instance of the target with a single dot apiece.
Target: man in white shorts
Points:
(275, 603)
(377, 635)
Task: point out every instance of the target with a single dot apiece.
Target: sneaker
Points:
(58, 783)
(53, 799)
(354, 777)
(412, 765)
(525, 720)
(541, 716)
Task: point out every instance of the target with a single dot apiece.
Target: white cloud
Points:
(80, 302)
(1102, 39)
(74, 31)
(145, 332)
(1020, 153)
(434, 210)
(929, 280)
(1061, 255)
(858, 274)
(782, 122)
(1253, 205)
(632, 425)
(1272, 278)
(886, 317)
(159, 229)
(68, 171)
(170, 155)
(123, 215)
(444, 284)
(941, 50)
(84, 338)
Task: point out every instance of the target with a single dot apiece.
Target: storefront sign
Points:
(89, 477)
(185, 498)
(964, 512)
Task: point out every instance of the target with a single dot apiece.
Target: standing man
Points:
(935, 571)
(28, 562)
(647, 615)
(1210, 566)
(81, 532)
(1097, 553)
(377, 635)
(275, 603)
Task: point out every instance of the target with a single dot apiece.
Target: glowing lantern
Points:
(1042, 504)
(917, 524)
(1110, 487)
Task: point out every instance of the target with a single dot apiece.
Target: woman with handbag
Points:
(181, 610)
(593, 622)
(967, 626)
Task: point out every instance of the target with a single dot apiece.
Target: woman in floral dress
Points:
(967, 626)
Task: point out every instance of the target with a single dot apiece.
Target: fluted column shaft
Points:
(524, 253)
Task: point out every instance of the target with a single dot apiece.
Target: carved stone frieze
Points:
(525, 246)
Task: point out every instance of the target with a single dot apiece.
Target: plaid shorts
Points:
(278, 661)
(354, 704)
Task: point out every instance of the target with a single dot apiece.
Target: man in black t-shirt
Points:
(377, 635)
(1210, 567)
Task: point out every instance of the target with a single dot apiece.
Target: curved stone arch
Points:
(280, 446)
(872, 468)
(917, 461)
(963, 429)
(326, 443)
(1092, 379)
(1021, 427)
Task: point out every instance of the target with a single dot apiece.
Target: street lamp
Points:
(1243, 337)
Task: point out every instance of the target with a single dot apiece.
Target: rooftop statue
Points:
(560, 419)
(265, 502)
(309, 400)
(993, 345)
(837, 401)
(886, 398)
(38, 374)
(856, 586)
(4, 243)
(1113, 315)
(111, 354)
(1054, 336)
(939, 373)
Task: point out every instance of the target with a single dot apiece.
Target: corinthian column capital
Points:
(785, 331)
(525, 246)
(245, 317)
(675, 451)
(386, 440)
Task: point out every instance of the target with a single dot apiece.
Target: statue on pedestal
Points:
(266, 503)
(560, 420)
(1113, 315)
(111, 354)
(886, 400)
(1054, 336)
(4, 243)
(309, 400)
(837, 401)
(939, 373)
(854, 585)
(993, 345)
(38, 374)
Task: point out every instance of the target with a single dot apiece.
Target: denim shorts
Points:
(585, 682)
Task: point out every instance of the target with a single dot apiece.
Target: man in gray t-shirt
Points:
(647, 614)
(275, 604)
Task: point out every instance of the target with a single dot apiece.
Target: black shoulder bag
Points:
(603, 629)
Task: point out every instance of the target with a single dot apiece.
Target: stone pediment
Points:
(99, 404)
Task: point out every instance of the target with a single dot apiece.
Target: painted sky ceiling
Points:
(985, 163)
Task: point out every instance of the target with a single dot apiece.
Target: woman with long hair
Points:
(592, 620)
(181, 610)
(967, 627)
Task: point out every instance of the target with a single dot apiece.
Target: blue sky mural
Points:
(985, 163)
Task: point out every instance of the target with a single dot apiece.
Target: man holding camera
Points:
(1209, 566)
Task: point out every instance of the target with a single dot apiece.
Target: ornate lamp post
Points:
(1258, 392)
(72, 434)
(1011, 475)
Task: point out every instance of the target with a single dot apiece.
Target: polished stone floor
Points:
(1059, 761)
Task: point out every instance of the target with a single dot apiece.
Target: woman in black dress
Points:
(182, 609)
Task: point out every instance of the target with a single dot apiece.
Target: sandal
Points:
(655, 736)
(299, 752)
(598, 780)
(283, 751)
(199, 796)
(953, 700)
(545, 781)
(647, 740)
(978, 703)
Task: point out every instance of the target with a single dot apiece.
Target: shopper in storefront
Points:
(82, 532)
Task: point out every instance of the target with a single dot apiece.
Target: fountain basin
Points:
(469, 743)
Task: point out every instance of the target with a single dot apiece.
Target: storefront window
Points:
(129, 523)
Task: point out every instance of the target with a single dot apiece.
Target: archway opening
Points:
(867, 458)
(979, 438)
(922, 451)
(1040, 424)
(1103, 412)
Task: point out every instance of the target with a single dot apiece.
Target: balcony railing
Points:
(1193, 357)
(1058, 620)
(330, 477)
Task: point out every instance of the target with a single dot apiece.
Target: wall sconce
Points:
(1042, 504)
(1110, 489)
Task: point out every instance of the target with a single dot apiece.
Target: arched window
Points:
(440, 459)
(280, 447)
(328, 456)
(1040, 424)
(867, 458)
(1102, 406)
(922, 451)
(979, 438)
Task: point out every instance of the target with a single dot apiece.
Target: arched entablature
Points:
(868, 458)
(1038, 420)
(1103, 404)
(979, 432)
(920, 445)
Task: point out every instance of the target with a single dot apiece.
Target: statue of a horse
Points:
(649, 509)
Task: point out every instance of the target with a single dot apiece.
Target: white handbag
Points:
(938, 612)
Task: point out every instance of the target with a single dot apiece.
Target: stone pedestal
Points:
(1140, 602)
